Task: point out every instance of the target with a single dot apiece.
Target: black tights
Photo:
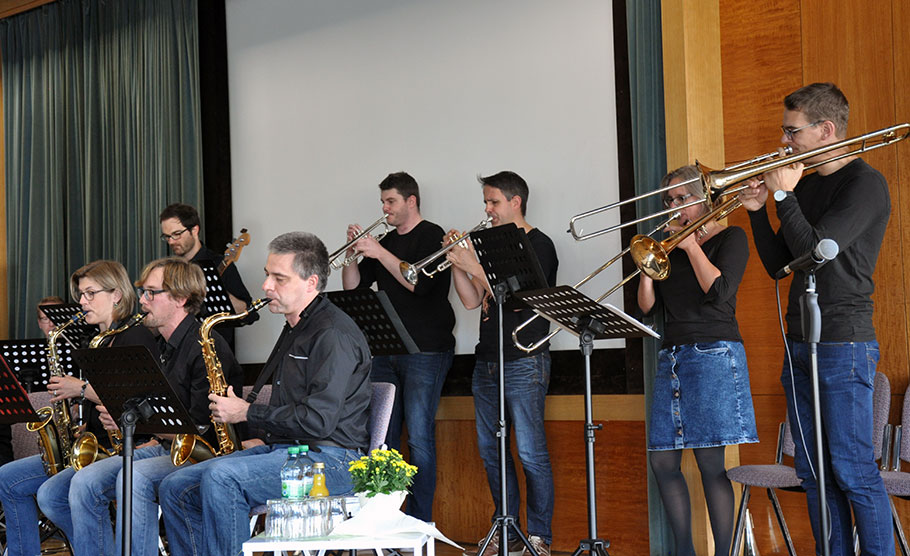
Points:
(675, 496)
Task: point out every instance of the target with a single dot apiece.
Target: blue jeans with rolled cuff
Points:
(418, 380)
(526, 383)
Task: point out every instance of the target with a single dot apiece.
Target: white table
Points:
(410, 541)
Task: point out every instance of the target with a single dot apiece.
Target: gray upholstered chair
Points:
(770, 477)
(897, 482)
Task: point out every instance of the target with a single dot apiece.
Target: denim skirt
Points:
(701, 397)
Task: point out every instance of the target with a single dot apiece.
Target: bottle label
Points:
(307, 484)
(292, 488)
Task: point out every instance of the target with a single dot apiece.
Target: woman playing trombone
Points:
(701, 396)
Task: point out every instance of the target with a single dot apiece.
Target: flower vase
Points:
(383, 503)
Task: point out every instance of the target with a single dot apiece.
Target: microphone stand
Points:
(812, 327)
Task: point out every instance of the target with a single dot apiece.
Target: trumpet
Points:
(336, 258)
(411, 272)
(580, 283)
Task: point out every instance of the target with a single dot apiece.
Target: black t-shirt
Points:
(693, 315)
(488, 347)
(425, 312)
(850, 206)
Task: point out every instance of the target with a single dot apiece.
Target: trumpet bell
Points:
(650, 256)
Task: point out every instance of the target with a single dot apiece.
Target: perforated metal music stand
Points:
(15, 406)
(28, 361)
(510, 265)
(132, 387)
(216, 295)
(77, 333)
(575, 312)
(380, 323)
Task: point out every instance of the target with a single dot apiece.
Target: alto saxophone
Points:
(87, 449)
(56, 430)
(192, 447)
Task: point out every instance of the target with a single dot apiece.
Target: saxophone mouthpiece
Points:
(259, 303)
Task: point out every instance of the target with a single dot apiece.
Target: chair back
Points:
(381, 403)
(24, 442)
(905, 423)
(881, 407)
(787, 447)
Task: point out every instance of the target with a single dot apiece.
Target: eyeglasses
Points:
(150, 294)
(789, 132)
(90, 294)
(175, 235)
(676, 201)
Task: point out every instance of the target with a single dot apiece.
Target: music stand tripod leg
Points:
(593, 545)
(503, 521)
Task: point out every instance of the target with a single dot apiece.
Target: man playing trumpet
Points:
(425, 310)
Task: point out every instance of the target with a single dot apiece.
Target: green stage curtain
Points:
(650, 163)
(102, 128)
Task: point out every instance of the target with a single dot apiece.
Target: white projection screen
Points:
(327, 97)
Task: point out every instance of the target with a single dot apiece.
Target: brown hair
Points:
(181, 279)
(110, 275)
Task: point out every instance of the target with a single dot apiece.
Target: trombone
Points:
(336, 260)
(718, 183)
(583, 281)
(411, 272)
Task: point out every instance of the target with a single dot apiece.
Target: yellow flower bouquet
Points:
(381, 472)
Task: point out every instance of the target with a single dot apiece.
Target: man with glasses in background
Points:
(180, 228)
(845, 200)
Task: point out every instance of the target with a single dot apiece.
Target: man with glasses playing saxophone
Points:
(425, 310)
(847, 201)
(320, 375)
(108, 300)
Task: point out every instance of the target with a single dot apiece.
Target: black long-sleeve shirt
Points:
(321, 391)
(850, 206)
(693, 315)
(425, 312)
(184, 368)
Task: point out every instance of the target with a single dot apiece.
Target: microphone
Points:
(824, 251)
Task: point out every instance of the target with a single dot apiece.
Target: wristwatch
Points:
(780, 195)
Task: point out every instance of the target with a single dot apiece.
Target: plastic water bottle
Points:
(290, 475)
(305, 465)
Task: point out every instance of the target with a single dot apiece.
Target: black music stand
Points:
(28, 361)
(380, 323)
(75, 334)
(510, 265)
(15, 407)
(571, 310)
(216, 295)
(129, 381)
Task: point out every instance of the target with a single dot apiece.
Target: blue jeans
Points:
(526, 383)
(84, 513)
(151, 465)
(19, 483)
(418, 380)
(846, 380)
(206, 506)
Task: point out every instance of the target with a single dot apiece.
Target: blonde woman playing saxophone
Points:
(107, 297)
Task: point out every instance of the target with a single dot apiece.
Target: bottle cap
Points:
(293, 450)
(319, 465)
(304, 448)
